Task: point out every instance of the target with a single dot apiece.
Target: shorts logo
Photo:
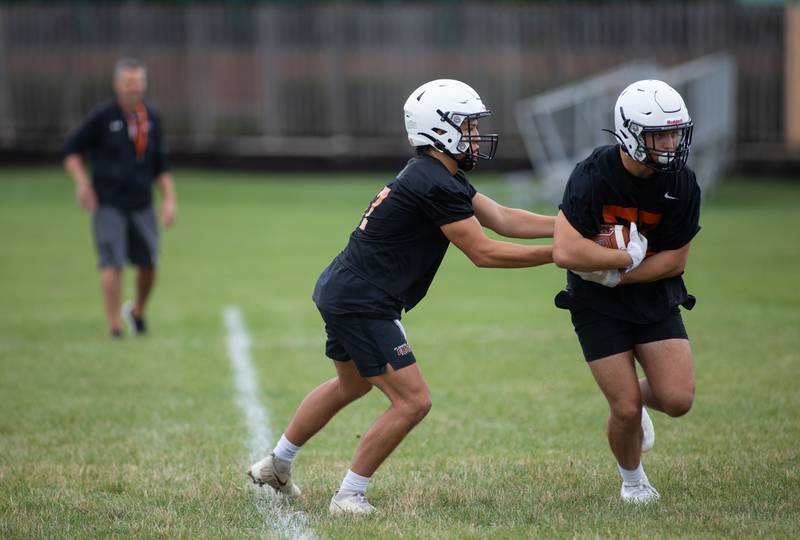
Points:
(403, 349)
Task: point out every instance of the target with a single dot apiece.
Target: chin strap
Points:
(467, 163)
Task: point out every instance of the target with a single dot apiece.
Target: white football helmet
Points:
(651, 106)
(434, 113)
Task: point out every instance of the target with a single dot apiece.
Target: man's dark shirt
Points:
(394, 253)
(120, 179)
(666, 209)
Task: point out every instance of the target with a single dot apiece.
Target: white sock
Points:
(633, 476)
(285, 450)
(354, 483)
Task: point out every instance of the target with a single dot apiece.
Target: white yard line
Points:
(279, 519)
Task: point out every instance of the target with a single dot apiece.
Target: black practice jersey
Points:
(119, 178)
(666, 209)
(395, 251)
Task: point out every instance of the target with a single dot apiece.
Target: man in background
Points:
(123, 140)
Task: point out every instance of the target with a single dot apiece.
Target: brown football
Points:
(610, 236)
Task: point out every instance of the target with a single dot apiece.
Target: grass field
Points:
(143, 437)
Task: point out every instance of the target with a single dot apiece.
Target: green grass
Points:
(144, 438)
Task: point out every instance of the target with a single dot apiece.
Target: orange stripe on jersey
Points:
(612, 213)
(648, 221)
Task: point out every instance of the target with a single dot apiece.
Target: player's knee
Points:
(422, 406)
(678, 404)
(425, 407)
(627, 413)
(417, 408)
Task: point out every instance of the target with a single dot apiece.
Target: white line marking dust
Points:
(279, 518)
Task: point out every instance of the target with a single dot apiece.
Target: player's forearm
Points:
(499, 254)
(518, 223)
(573, 251)
(584, 255)
(656, 267)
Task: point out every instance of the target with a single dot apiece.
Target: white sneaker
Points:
(350, 503)
(639, 493)
(649, 438)
(266, 472)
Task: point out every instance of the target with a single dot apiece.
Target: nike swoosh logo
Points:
(282, 484)
(668, 196)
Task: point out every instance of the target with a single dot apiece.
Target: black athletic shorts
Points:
(370, 343)
(601, 335)
(121, 235)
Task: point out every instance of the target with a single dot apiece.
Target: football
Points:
(612, 236)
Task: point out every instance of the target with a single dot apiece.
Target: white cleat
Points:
(350, 503)
(649, 438)
(270, 472)
(639, 493)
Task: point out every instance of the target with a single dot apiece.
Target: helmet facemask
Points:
(661, 160)
(467, 159)
(434, 115)
(651, 109)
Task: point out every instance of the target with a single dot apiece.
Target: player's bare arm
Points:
(511, 222)
(573, 251)
(169, 206)
(484, 252)
(84, 192)
(661, 265)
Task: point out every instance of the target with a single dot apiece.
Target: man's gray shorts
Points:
(125, 234)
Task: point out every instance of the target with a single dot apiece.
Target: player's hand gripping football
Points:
(636, 248)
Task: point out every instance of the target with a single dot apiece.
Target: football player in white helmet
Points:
(625, 302)
(653, 125)
(389, 262)
(443, 114)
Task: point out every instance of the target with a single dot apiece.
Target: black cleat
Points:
(136, 325)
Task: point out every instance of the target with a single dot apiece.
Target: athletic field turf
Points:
(146, 437)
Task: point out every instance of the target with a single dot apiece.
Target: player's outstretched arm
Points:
(511, 222)
(661, 265)
(469, 237)
(571, 250)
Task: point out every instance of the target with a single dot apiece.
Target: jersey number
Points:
(379, 198)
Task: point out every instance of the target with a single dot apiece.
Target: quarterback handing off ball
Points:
(612, 236)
